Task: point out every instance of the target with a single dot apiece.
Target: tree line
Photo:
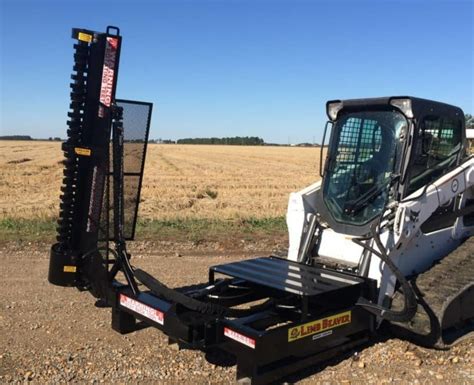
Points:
(469, 121)
(236, 140)
(16, 137)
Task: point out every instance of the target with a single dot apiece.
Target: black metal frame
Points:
(309, 313)
(97, 57)
(264, 342)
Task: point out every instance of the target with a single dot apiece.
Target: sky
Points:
(237, 68)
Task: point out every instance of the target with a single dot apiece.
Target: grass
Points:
(211, 229)
(18, 229)
(197, 230)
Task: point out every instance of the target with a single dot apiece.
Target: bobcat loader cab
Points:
(397, 172)
(381, 151)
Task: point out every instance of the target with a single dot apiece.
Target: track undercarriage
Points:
(445, 313)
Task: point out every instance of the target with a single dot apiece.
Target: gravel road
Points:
(56, 335)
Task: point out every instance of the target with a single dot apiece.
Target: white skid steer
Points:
(398, 183)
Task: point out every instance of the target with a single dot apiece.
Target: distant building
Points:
(470, 139)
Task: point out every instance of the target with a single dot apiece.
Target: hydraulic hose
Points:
(172, 295)
(410, 302)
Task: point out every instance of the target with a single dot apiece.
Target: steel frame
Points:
(261, 341)
(308, 315)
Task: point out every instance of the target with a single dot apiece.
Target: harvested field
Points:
(180, 182)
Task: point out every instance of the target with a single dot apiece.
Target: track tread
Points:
(437, 288)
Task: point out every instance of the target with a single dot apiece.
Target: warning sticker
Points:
(250, 342)
(69, 269)
(319, 326)
(141, 308)
(108, 71)
(82, 151)
(84, 37)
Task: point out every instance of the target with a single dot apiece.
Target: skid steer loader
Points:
(382, 239)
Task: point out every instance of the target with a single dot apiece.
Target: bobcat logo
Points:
(454, 185)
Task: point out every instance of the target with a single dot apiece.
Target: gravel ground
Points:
(55, 335)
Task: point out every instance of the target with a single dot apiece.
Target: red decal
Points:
(141, 308)
(108, 73)
(250, 342)
(113, 42)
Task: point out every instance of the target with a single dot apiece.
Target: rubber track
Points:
(436, 290)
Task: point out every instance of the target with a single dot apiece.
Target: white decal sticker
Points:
(250, 342)
(141, 308)
(323, 334)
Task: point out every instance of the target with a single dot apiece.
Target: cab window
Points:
(436, 150)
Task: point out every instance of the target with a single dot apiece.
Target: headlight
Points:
(403, 105)
(332, 108)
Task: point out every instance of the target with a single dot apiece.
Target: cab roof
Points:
(420, 107)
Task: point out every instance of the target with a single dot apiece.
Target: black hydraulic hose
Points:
(410, 302)
(172, 295)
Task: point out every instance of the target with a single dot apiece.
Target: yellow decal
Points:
(82, 151)
(69, 269)
(319, 326)
(84, 37)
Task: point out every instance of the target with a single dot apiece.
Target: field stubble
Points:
(181, 182)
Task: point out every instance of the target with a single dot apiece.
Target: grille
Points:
(359, 140)
(136, 123)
